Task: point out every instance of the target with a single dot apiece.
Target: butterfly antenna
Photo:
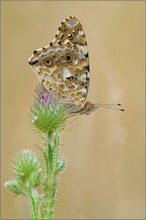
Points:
(111, 106)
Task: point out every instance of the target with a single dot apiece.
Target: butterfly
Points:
(63, 68)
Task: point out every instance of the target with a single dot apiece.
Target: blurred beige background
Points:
(104, 178)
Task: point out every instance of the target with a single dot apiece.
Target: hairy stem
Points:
(34, 205)
(50, 183)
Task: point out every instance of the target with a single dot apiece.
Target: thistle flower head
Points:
(47, 115)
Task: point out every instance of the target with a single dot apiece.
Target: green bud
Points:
(28, 175)
(16, 186)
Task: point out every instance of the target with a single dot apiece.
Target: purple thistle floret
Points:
(46, 98)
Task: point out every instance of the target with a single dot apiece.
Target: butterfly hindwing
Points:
(63, 66)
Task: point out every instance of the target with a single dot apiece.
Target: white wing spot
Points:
(75, 62)
(66, 73)
(71, 23)
(81, 32)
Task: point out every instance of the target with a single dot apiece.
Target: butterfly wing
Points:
(63, 66)
(71, 30)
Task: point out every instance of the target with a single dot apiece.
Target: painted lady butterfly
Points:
(63, 67)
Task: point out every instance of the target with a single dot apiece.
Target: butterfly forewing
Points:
(71, 30)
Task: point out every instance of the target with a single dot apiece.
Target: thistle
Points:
(48, 119)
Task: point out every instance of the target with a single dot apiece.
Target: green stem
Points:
(34, 205)
(51, 164)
